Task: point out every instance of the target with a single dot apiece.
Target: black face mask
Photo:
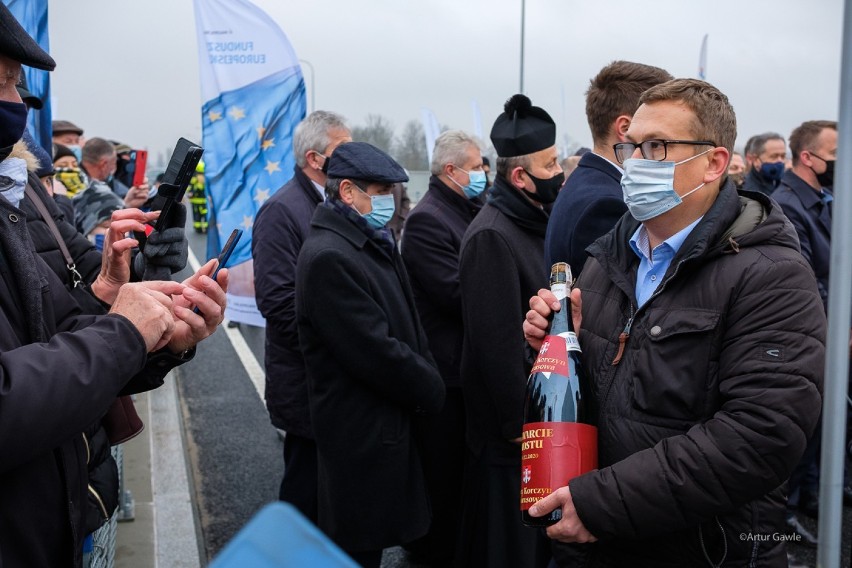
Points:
(13, 122)
(826, 178)
(324, 168)
(546, 190)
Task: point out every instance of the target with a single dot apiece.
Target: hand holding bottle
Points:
(541, 307)
(569, 528)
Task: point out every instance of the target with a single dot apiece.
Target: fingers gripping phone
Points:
(224, 255)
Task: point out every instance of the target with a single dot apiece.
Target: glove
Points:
(165, 251)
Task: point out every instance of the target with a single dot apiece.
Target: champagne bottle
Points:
(558, 442)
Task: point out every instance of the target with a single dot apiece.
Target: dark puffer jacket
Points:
(717, 392)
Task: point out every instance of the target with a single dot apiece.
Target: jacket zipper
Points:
(100, 502)
(622, 339)
(88, 450)
(625, 334)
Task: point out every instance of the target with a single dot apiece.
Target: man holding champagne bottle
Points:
(703, 336)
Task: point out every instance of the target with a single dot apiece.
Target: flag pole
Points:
(837, 341)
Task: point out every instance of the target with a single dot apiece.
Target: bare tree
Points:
(410, 148)
(378, 131)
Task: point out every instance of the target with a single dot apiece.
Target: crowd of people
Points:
(397, 364)
(398, 342)
(82, 323)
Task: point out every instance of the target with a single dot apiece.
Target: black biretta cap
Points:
(363, 161)
(16, 43)
(522, 129)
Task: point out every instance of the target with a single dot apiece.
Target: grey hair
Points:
(312, 133)
(450, 148)
(96, 149)
(504, 166)
(757, 143)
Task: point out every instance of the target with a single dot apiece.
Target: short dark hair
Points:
(332, 187)
(805, 135)
(615, 91)
(715, 117)
(757, 143)
(96, 149)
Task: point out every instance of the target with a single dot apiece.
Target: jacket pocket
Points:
(676, 364)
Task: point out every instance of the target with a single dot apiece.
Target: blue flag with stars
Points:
(32, 15)
(254, 96)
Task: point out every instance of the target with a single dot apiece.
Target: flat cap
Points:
(61, 126)
(30, 99)
(16, 43)
(363, 161)
(522, 129)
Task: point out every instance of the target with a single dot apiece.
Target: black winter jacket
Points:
(281, 227)
(716, 394)
(53, 385)
(369, 371)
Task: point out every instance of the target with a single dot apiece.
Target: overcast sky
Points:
(129, 70)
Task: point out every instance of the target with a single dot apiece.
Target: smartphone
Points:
(175, 180)
(226, 251)
(139, 161)
(224, 255)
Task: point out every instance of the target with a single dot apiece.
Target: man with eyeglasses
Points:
(703, 334)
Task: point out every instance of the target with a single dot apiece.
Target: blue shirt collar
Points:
(641, 245)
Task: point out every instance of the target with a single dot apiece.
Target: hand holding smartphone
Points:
(224, 255)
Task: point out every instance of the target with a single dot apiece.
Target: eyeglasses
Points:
(652, 149)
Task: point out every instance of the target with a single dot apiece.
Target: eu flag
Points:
(254, 96)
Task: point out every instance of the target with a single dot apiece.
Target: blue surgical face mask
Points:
(13, 180)
(77, 151)
(648, 187)
(773, 171)
(382, 209)
(476, 185)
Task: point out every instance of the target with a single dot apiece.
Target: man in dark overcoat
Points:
(502, 260)
(368, 364)
(281, 227)
(430, 249)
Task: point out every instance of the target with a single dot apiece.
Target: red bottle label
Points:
(552, 454)
(552, 356)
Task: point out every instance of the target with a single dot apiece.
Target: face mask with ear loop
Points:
(648, 186)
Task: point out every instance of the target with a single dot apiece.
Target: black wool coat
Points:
(280, 229)
(710, 407)
(501, 267)
(369, 371)
(430, 249)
